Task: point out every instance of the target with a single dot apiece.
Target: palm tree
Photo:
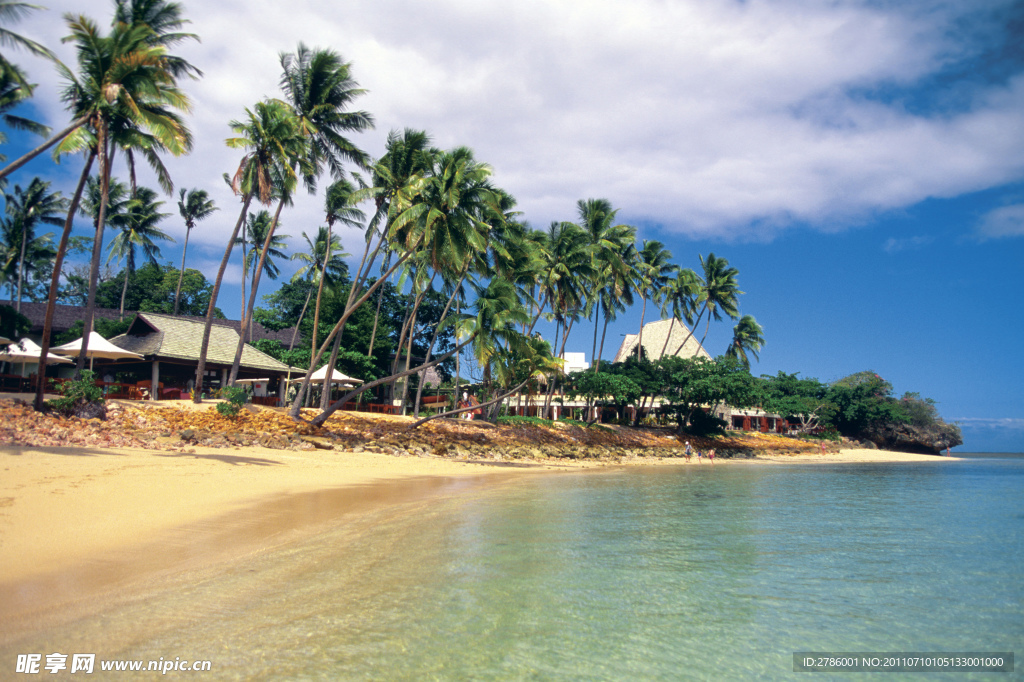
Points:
(653, 270)
(719, 293)
(319, 86)
(323, 260)
(193, 205)
(139, 230)
(270, 136)
(747, 337)
(14, 86)
(680, 295)
(258, 225)
(608, 244)
(164, 19)
(124, 88)
(339, 207)
(29, 208)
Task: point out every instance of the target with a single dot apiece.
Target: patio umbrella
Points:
(99, 347)
(29, 352)
(337, 377)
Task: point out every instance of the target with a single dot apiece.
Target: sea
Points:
(660, 573)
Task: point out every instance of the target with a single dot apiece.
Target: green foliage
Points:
(862, 400)
(705, 424)
(108, 329)
(694, 383)
(13, 324)
(803, 400)
(76, 392)
(151, 289)
(236, 396)
(602, 386)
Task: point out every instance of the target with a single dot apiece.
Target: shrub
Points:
(77, 393)
(704, 424)
(235, 396)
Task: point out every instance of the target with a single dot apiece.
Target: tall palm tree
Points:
(318, 84)
(322, 260)
(608, 243)
(270, 137)
(28, 209)
(258, 226)
(747, 338)
(14, 85)
(719, 293)
(193, 205)
(23, 262)
(653, 269)
(140, 230)
(123, 90)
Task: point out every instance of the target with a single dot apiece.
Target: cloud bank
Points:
(715, 119)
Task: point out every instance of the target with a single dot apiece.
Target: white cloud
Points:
(894, 245)
(1007, 221)
(713, 118)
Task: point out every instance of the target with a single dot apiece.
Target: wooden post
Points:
(154, 384)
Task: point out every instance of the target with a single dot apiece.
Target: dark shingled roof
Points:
(65, 316)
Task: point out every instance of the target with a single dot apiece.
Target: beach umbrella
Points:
(27, 353)
(99, 347)
(337, 377)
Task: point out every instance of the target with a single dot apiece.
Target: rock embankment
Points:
(178, 427)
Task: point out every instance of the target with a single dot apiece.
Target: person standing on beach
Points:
(689, 450)
(711, 455)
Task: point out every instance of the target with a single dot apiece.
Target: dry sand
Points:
(77, 523)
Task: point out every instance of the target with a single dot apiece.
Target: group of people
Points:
(468, 401)
(688, 453)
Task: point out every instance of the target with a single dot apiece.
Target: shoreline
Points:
(81, 525)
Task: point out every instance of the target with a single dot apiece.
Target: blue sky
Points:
(860, 162)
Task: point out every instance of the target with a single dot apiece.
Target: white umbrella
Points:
(31, 352)
(99, 347)
(337, 377)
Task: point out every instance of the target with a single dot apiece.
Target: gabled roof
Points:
(654, 341)
(65, 316)
(176, 338)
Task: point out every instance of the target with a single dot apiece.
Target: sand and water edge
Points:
(81, 527)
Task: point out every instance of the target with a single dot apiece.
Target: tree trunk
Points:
(302, 314)
(600, 350)
(320, 287)
(208, 326)
(105, 162)
(376, 319)
(15, 165)
(181, 273)
(21, 262)
(247, 319)
(467, 409)
(51, 301)
(322, 417)
(325, 394)
(433, 340)
(640, 336)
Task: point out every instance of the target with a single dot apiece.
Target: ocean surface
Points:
(665, 573)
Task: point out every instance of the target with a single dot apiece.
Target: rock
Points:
(93, 410)
(870, 445)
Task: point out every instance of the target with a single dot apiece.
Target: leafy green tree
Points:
(598, 387)
(863, 399)
(697, 383)
(151, 288)
(798, 400)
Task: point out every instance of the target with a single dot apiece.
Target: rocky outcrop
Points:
(928, 440)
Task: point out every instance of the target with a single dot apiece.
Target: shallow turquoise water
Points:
(684, 572)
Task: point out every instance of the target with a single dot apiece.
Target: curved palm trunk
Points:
(433, 340)
(208, 326)
(21, 263)
(690, 335)
(245, 275)
(323, 416)
(105, 162)
(247, 318)
(600, 350)
(449, 413)
(124, 289)
(325, 393)
(320, 289)
(15, 165)
(51, 301)
(664, 346)
(302, 314)
(640, 336)
(376, 319)
(181, 272)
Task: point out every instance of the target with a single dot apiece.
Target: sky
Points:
(860, 162)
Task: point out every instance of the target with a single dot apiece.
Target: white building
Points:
(575, 362)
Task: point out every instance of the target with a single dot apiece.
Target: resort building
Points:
(661, 338)
(575, 362)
